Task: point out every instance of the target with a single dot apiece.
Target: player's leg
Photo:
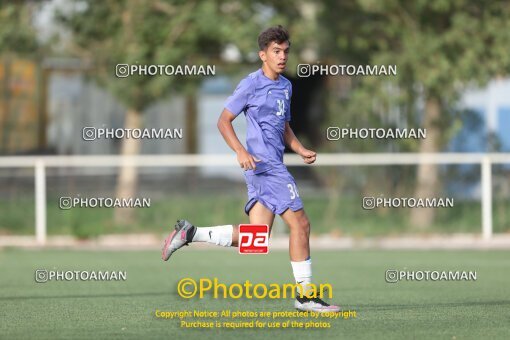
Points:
(299, 227)
(185, 233)
(259, 214)
(224, 235)
(301, 262)
(299, 245)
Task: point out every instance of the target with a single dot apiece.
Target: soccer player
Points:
(264, 97)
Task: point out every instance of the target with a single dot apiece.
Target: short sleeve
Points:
(238, 101)
(287, 114)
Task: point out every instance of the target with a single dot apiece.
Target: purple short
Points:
(277, 191)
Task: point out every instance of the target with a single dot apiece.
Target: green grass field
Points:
(111, 310)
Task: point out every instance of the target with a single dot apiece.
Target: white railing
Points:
(40, 163)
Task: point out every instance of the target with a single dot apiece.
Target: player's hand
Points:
(246, 161)
(308, 156)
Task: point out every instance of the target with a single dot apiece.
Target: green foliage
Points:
(163, 33)
(440, 47)
(17, 34)
(439, 42)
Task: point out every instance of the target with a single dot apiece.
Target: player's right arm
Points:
(245, 160)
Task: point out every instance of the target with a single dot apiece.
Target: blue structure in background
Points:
(485, 128)
(504, 128)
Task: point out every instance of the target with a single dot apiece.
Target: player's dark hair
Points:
(276, 33)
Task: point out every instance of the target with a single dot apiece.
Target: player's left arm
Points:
(295, 145)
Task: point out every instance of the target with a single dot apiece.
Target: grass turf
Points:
(110, 310)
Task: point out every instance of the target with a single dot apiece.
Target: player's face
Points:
(275, 56)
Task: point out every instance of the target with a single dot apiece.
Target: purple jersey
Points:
(266, 104)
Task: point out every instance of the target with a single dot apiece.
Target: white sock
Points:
(219, 235)
(302, 273)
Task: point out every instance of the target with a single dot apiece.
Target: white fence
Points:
(40, 163)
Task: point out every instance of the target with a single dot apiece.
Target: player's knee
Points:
(304, 225)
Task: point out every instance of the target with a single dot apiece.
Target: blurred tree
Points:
(163, 32)
(439, 47)
(17, 34)
(19, 46)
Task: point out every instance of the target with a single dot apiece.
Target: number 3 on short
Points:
(293, 191)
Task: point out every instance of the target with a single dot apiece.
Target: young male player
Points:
(264, 97)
